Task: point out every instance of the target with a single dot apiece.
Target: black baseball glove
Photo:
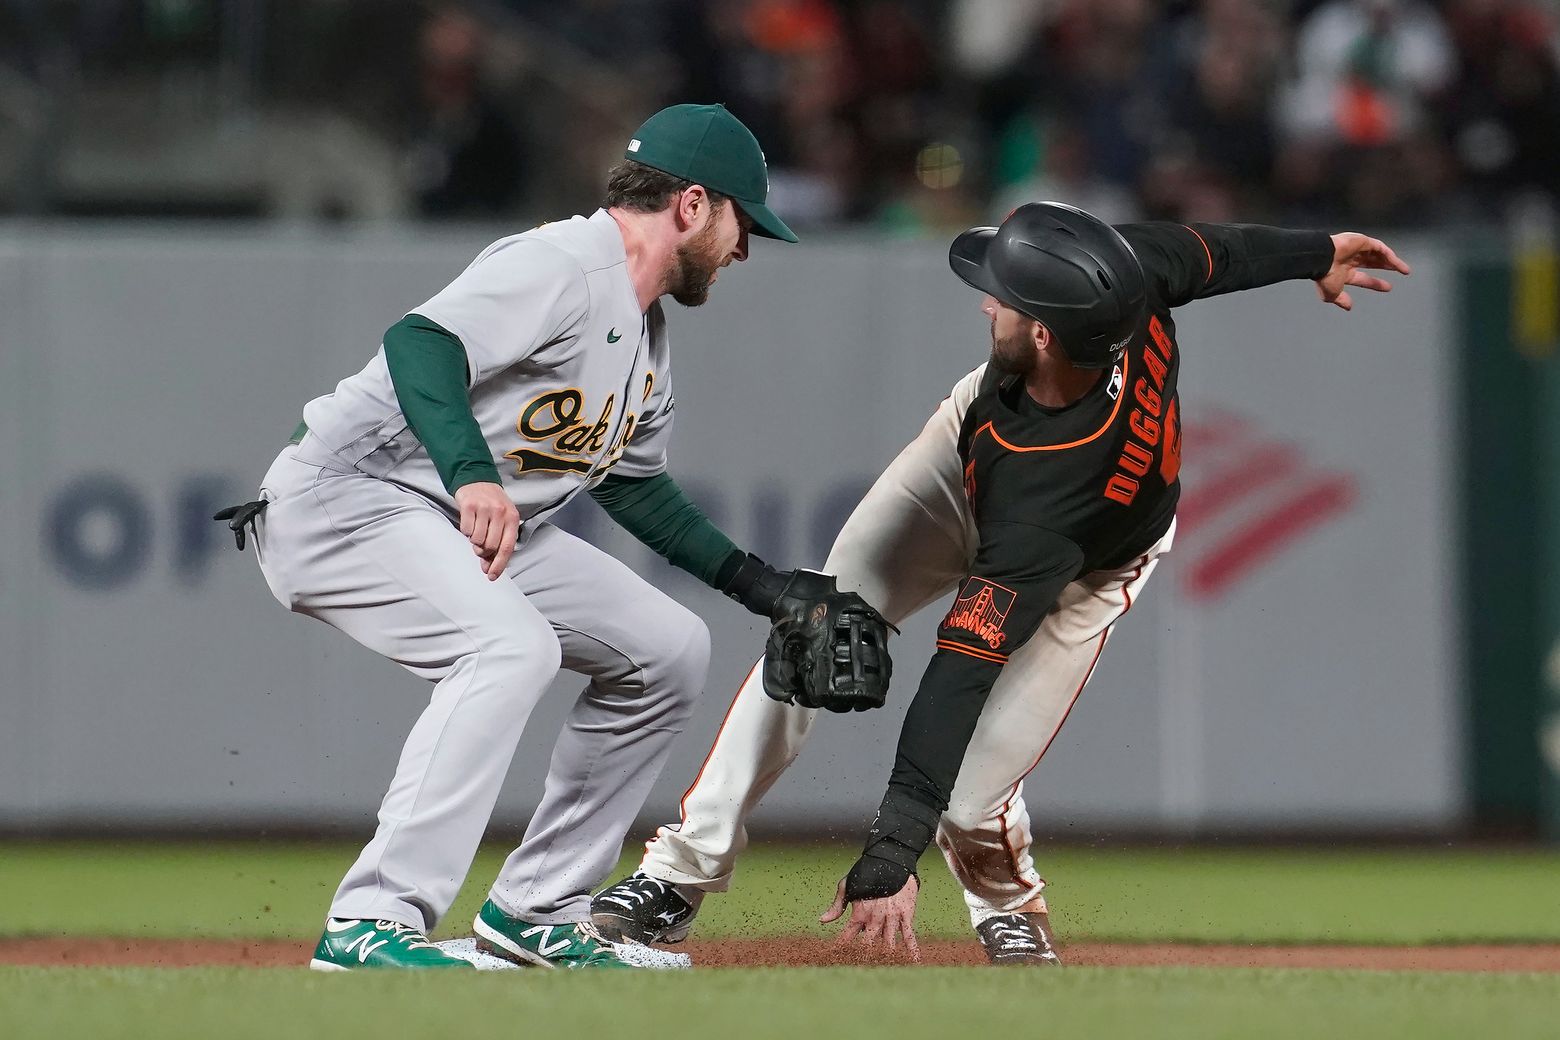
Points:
(827, 648)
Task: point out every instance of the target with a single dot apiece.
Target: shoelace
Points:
(407, 935)
(634, 893)
(588, 930)
(1015, 937)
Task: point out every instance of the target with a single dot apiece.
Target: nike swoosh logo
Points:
(614, 335)
(335, 925)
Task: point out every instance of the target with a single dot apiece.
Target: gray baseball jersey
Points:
(568, 380)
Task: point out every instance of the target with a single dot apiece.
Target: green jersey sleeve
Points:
(428, 369)
(661, 515)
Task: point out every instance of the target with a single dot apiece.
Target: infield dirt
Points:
(810, 951)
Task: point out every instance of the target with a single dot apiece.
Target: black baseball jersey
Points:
(1057, 493)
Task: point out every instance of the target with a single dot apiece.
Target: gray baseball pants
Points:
(390, 569)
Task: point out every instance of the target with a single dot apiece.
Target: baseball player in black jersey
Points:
(1042, 493)
(1068, 471)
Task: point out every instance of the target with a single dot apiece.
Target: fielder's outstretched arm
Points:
(826, 649)
(660, 514)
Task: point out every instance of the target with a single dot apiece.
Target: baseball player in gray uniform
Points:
(410, 512)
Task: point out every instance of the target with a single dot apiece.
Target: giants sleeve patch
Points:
(981, 609)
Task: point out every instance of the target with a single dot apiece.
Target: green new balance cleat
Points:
(349, 945)
(543, 945)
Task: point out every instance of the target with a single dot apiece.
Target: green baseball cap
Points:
(708, 145)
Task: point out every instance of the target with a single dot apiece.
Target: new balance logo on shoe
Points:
(543, 947)
(349, 944)
(573, 945)
(364, 945)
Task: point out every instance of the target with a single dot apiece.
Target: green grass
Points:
(262, 890)
(1074, 1003)
(281, 890)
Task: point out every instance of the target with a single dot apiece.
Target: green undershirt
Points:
(429, 372)
(660, 514)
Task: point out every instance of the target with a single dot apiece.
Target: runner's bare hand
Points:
(878, 919)
(1354, 256)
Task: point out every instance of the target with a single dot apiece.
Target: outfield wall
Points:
(1293, 664)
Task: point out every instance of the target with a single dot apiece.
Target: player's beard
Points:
(1013, 355)
(697, 263)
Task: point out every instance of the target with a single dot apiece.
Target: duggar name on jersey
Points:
(1148, 432)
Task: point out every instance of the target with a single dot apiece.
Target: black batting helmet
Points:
(1065, 268)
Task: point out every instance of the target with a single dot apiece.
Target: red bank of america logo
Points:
(982, 608)
(1246, 498)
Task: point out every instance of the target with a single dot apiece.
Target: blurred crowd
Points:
(907, 114)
